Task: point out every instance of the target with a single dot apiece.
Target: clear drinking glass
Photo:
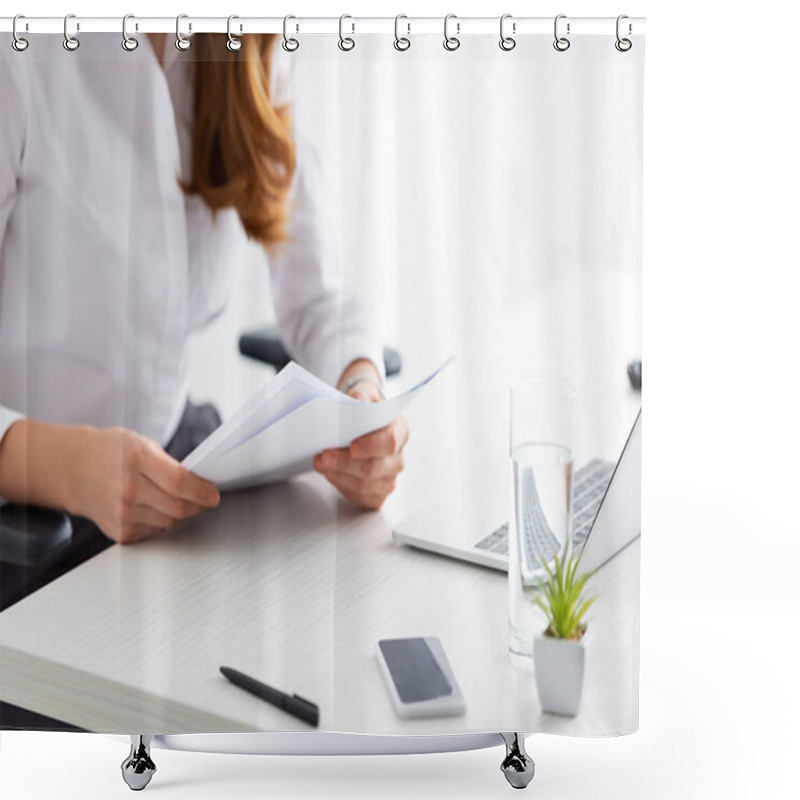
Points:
(541, 517)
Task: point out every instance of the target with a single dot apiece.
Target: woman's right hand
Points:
(131, 488)
(122, 481)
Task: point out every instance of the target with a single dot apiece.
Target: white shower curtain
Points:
(465, 187)
(484, 205)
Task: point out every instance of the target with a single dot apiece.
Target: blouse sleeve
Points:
(323, 325)
(12, 145)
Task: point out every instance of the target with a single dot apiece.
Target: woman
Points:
(128, 182)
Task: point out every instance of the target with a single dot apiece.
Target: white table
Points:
(294, 586)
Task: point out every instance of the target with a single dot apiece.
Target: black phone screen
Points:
(415, 672)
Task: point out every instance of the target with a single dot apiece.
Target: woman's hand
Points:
(366, 472)
(131, 488)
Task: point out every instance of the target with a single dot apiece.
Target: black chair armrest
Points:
(265, 345)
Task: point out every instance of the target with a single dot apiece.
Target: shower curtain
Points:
(472, 206)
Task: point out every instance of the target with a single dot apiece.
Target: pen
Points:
(292, 704)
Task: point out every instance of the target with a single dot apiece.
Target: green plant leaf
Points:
(571, 568)
(561, 596)
(584, 608)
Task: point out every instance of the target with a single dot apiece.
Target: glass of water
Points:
(540, 519)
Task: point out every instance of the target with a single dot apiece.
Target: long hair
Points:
(243, 154)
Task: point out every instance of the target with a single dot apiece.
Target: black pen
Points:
(292, 704)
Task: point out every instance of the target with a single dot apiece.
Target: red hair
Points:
(243, 154)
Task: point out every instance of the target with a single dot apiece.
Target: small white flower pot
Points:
(559, 666)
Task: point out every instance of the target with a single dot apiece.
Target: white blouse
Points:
(106, 266)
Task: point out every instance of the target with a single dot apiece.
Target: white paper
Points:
(279, 430)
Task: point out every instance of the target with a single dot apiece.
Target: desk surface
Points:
(292, 585)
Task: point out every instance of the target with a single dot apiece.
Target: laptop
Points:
(473, 525)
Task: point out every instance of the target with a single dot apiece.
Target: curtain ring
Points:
(401, 43)
(451, 42)
(623, 45)
(507, 42)
(18, 43)
(70, 42)
(233, 44)
(181, 42)
(289, 44)
(129, 43)
(561, 43)
(345, 42)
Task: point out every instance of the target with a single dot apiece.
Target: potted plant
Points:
(558, 654)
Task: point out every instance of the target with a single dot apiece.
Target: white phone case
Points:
(453, 705)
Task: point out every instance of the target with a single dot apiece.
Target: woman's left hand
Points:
(366, 472)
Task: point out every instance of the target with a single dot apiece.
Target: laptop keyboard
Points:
(591, 482)
(539, 542)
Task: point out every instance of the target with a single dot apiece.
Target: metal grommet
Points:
(233, 44)
(129, 43)
(18, 43)
(623, 45)
(401, 43)
(451, 42)
(507, 42)
(181, 42)
(289, 44)
(561, 43)
(346, 43)
(70, 42)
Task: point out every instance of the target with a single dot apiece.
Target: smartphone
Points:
(419, 678)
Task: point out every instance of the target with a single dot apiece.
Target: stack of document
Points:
(279, 430)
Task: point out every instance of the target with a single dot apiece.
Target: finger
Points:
(152, 496)
(369, 469)
(166, 473)
(370, 494)
(372, 503)
(329, 459)
(366, 392)
(140, 533)
(385, 442)
(153, 518)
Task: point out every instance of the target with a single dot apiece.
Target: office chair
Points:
(265, 345)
